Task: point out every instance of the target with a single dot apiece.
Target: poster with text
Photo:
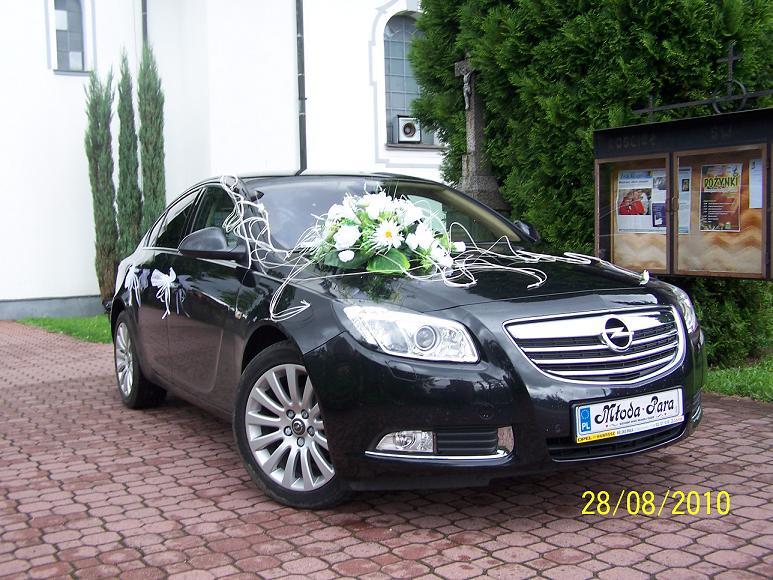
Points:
(685, 199)
(637, 192)
(755, 184)
(721, 197)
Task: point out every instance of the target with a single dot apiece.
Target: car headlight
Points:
(685, 306)
(413, 335)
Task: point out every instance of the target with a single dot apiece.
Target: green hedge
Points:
(736, 315)
(553, 71)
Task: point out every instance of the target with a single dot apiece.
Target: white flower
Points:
(412, 241)
(460, 246)
(440, 256)
(387, 235)
(346, 256)
(408, 212)
(346, 237)
(424, 236)
(339, 211)
(376, 203)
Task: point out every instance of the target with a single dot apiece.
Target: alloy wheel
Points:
(124, 359)
(285, 431)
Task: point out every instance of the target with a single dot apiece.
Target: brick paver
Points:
(90, 489)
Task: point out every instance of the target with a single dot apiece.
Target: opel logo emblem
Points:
(616, 334)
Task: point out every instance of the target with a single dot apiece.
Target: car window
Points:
(293, 205)
(214, 207)
(153, 235)
(172, 228)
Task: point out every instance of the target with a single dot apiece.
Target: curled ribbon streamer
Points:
(249, 221)
(132, 283)
(164, 284)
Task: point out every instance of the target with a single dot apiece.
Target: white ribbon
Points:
(132, 283)
(164, 284)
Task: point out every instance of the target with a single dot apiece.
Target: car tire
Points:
(136, 391)
(280, 434)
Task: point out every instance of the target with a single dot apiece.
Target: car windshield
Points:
(294, 204)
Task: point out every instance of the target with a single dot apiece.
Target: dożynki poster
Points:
(721, 197)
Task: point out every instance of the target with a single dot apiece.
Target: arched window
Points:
(401, 87)
(69, 35)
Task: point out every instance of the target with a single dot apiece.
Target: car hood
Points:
(490, 286)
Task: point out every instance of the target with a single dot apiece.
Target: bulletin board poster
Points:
(685, 199)
(641, 201)
(721, 197)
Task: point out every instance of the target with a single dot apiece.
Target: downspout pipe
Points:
(144, 22)
(302, 157)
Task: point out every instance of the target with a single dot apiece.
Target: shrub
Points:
(151, 109)
(99, 151)
(129, 197)
(735, 316)
(551, 72)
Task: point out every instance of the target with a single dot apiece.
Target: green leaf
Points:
(331, 259)
(393, 262)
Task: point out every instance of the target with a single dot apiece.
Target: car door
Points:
(201, 334)
(153, 263)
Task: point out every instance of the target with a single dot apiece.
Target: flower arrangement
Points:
(384, 235)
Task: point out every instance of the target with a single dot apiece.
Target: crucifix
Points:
(477, 180)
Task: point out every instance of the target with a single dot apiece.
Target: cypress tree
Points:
(550, 72)
(99, 151)
(129, 197)
(151, 109)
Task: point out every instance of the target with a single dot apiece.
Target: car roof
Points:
(254, 180)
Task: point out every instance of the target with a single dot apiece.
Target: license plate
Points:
(605, 419)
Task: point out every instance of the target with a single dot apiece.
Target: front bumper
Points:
(365, 394)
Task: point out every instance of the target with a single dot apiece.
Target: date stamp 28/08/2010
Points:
(672, 503)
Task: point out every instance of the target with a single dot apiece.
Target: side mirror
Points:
(211, 243)
(528, 231)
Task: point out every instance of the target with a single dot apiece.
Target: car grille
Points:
(564, 448)
(573, 348)
(466, 441)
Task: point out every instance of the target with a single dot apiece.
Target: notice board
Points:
(688, 197)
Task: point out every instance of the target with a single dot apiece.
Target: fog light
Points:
(408, 442)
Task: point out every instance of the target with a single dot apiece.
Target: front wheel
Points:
(280, 432)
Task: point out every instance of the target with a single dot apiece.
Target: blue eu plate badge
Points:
(585, 420)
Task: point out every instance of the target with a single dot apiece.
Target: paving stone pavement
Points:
(90, 489)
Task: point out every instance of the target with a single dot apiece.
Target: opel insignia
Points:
(388, 382)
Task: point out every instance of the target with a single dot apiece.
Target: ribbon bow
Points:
(164, 284)
(132, 283)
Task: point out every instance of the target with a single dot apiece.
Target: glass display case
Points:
(688, 197)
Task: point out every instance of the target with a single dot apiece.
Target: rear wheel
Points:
(136, 391)
(280, 432)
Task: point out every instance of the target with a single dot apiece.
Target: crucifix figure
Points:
(477, 180)
(467, 80)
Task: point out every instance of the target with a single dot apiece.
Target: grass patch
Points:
(754, 380)
(88, 328)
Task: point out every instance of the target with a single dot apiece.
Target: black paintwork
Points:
(200, 349)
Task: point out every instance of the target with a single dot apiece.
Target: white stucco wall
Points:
(229, 73)
(346, 104)
(46, 224)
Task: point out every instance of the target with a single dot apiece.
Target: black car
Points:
(352, 393)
